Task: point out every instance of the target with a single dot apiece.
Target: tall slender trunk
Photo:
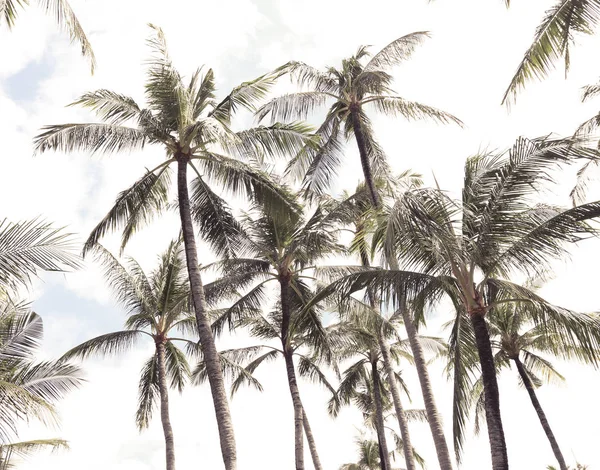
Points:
(491, 394)
(164, 406)
(207, 342)
(433, 417)
(291, 373)
(541, 415)
(401, 416)
(311, 442)
(361, 142)
(379, 426)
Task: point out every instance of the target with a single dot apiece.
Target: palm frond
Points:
(30, 246)
(148, 393)
(552, 40)
(397, 51)
(134, 207)
(89, 137)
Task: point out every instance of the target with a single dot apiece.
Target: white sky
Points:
(463, 69)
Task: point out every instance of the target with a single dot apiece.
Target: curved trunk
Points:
(491, 394)
(402, 422)
(311, 442)
(209, 350)
(291, 373)
(164, 406)
(541, 414)
(361, 142)
(379, 426)
(433, 417)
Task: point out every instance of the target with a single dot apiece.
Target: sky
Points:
(464, 68)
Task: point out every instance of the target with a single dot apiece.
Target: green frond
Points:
(397, 51)
(398, 106)
(31, 246)
(105, 345)
(293, 106)
(134, 207)
(148, 393)
(178, 369)
(109, 106)
(552, 40)
(89, 137)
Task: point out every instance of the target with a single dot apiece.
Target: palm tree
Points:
(553, 39)
(363, 218)
(519, 343)
(369, 455)
(64, 15)
(469, 250)
(308, 338)
(366, 381)
(28, 389)
(195, 132)
(281, 250)
(351, 90)
(157, 305)
(31, 246)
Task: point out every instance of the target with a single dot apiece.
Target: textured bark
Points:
(433, 417)
(164, 406)
(364, 156)
(379, 426)
(491, 394)
(401, 416)
(541, 415)
(291, 373)
(209, 350)
(311, 442)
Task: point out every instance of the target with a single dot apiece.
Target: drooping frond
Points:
(214, 219)
(245, 180)
(25, 449)
(105, 345)
(178, 369)
(29, 247)
(398, 106)
(20, 334)
(552, 40)
(148, 392)
(134, 207)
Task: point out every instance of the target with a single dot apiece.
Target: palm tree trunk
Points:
(402, 422)
(209, 350)
(379, 426)
(433, 417)
(491, 394)
(164, 406)
(311, 441)
(541, 415)
(291, 373)
(364, 155)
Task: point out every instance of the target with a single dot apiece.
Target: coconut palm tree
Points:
(281, 250)
(552, 41)
(365, 381)
(369, 456)
(308, 338)
(31, 246)
(195, 131)
(28, 389)
(363, 221)
(157, 307)
(518, 343)
(362, 83)
(471, 249)
(64, 15)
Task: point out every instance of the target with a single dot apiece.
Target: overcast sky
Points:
(464, 69)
